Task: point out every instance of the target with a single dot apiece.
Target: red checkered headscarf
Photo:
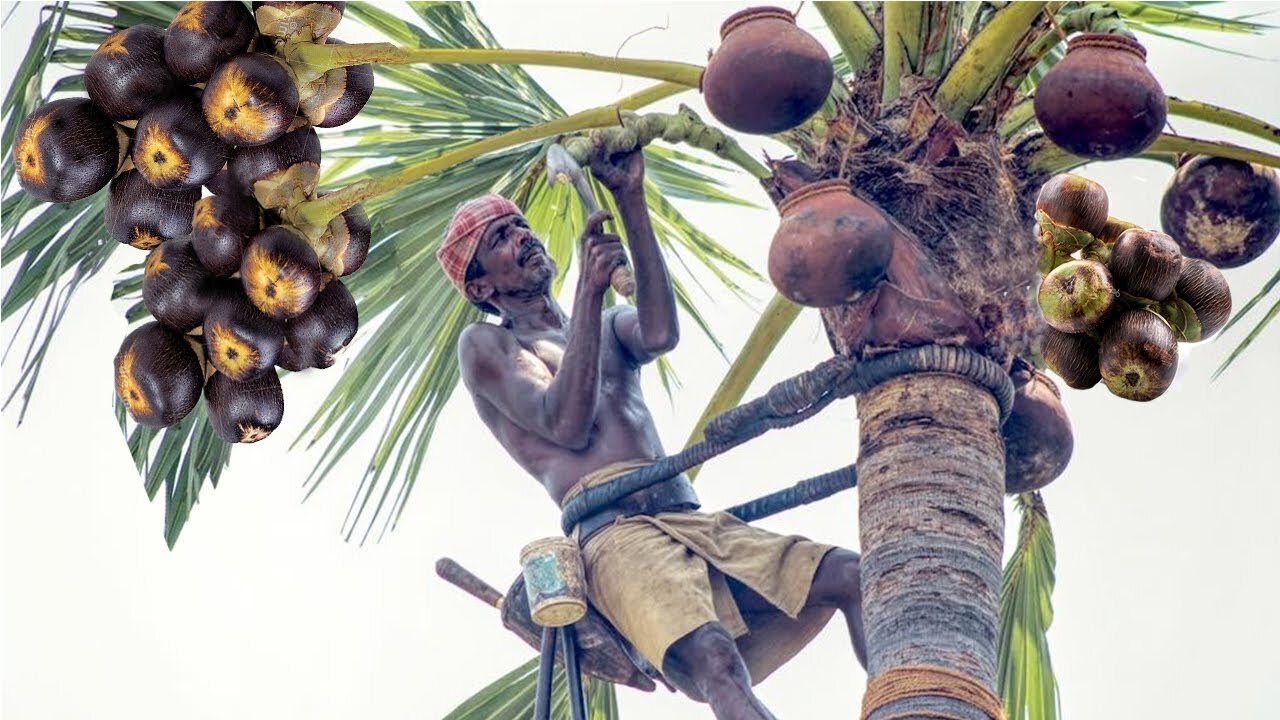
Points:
(463, 237)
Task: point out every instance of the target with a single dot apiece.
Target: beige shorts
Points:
(658, 578)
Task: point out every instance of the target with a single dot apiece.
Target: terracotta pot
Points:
(768, 75)
(830, 247)
(1101, 101)
(1037, 436)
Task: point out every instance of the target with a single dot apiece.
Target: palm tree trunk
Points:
(931, 479)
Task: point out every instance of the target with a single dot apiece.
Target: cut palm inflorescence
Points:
(922, 152)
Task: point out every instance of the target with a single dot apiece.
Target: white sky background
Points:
(1165, 523)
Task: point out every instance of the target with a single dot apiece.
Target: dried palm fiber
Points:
(958, 195)
(913, 681)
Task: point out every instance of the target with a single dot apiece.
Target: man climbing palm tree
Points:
(712, 602)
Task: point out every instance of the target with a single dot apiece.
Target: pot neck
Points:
(1107, 40)
(742, 17)
(804, 192)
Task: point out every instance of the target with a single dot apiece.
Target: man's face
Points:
(513, 258)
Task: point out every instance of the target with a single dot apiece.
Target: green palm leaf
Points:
(511, 697)
(1024, 672)
(406, 370)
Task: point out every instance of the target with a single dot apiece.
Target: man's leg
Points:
(837, 582)
(710, 659)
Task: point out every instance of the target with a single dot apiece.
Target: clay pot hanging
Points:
(830, 247)
(1101, 101)
(768, 75)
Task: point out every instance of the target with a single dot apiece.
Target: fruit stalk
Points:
(312, 216)
(902, 22)
(1224, 117)
(683, 126)
(314, 59)
(985, 58)
(1051, 159)
(854, 33)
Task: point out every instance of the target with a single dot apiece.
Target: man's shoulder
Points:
(481, 341)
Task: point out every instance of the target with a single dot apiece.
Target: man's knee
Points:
(709, 655)
(838, 579)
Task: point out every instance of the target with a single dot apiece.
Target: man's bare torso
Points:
(623, 428)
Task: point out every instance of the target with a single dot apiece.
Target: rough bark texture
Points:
(931, 476)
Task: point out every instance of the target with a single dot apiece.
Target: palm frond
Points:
(402, 378)
(1266, 320)
(511, 697)
(1181, 16)
(1024, 672)
(406, 370)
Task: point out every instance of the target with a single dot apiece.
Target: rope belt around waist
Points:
(913, 681)
(788, 403)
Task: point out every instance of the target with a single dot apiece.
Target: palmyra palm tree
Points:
(909, 75)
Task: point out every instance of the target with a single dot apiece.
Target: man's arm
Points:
(652, 328)
(560, 409)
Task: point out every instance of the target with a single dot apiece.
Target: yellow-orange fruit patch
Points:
(276, 289)
(30, 165)
(114, 45)
(234, 109)
(155, 263)
(203, 217)
(230, 354)
(251, 433)
(158, 160)
(144, 239)
(190, 17)
(130, 390)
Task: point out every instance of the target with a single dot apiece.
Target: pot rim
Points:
(821, 187)
(742, 17)
(1107, 40)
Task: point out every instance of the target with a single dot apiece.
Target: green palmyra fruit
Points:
(1139, 355)
(1076, 296)
(1146, 263)
(1204, 288)
(1074, 357)
(157, 375)
(1074, 201)
(66, 150)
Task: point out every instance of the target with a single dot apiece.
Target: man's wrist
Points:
(630, 196)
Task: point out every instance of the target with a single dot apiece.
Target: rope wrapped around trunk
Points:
(913, 681)
(788, 403)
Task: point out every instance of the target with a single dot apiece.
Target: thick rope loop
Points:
(793, 401)
(913, 681)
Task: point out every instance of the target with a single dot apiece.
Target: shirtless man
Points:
(714, 603)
